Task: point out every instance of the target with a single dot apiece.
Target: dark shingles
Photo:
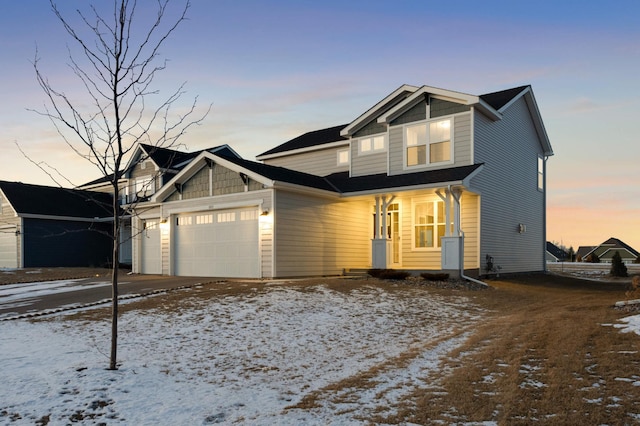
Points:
(345, 184)
(499, 99)
(52, 201)
(316, 137)
(342, 183)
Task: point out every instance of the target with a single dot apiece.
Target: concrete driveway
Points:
(33, 298)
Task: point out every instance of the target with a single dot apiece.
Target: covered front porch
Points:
(426, 231)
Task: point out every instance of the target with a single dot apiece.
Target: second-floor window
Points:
(371, 145)
(428, 143)
(343, 157)
(145, 186)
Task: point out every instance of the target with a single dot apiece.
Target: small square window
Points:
(343, 157)
(372, 145)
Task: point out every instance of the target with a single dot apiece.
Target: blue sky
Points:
(274, 70)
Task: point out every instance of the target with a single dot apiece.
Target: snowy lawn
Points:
(247, 356)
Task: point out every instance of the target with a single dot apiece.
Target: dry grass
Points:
(542, 357)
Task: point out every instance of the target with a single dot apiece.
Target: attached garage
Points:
(8, 248)
(217, 243)
(151, 256)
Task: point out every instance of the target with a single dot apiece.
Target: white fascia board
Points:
(539, 124)
(404, 188)
(303, 150)
(134, 158)
(196, 165)
(305, 190)
(208, 204)
(488, 110)
(354, 125)
(447, 95)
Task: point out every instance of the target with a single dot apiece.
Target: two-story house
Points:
(426, 179)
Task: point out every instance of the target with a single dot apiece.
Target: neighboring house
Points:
(148, 169)
(42, 226)
(581, 253)
(556, 254)
(607, 249)
(425, 180)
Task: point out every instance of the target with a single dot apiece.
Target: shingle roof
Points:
(620, 244)
(332, 134)
(342, 183)
(556, 251)
(167, 158)
(316, 137)
(499, 99)
(52, 201)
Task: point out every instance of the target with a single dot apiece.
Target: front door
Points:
(393, 232)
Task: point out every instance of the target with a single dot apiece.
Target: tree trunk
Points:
(113, 365)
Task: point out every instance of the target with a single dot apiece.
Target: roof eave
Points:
(367, 116)
(303, 150)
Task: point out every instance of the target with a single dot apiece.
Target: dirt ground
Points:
(547, 353)
(29, 275)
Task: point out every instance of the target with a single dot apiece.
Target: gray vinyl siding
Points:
(509, 149)
(321, 162)
(461, 146)
(368, 164)
(315, 236)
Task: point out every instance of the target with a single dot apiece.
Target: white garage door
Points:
(150, 257)
(221, 243)
(8, 248)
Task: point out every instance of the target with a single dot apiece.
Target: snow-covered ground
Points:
(235, 359)
(246, 358)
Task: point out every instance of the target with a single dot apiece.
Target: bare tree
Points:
(116, 62)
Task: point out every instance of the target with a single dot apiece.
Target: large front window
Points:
(428, 143)
(429, 224)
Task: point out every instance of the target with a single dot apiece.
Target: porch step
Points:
(355, 272)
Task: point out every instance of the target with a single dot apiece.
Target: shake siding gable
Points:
(508, 184)
(315, 236)
(320, 162)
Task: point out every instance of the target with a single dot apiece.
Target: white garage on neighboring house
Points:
(8, 247)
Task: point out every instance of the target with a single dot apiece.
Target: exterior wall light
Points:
(522, 228)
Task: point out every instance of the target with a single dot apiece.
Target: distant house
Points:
(607, 249)
(425, 179)
(42, 226)
(581, 253)
(556, 254)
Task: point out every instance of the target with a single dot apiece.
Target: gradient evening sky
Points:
(276, 69)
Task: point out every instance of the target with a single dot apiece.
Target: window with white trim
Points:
(429, 224)
(428, 143)
(540, 173)
(371, 145)
(343, 157)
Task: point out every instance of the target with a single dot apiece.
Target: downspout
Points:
(456, 197)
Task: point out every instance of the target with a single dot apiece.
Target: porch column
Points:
(380, 244)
